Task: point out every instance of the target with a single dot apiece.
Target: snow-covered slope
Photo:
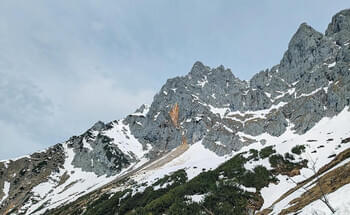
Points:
(322, 143)
(193, 161)
(52, 194)
(82, 164)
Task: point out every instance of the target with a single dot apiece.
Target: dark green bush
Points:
(254, 155)
(289, 156)
(276, 160)
(176, 178)
(266, 152)
(260, 177)
(298, 149)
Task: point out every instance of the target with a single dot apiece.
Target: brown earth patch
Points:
(328, 183)
(329, 177)
(174, 115)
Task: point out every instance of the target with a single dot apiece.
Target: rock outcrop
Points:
(311, 82)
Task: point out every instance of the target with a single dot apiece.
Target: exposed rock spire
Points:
(339, 28)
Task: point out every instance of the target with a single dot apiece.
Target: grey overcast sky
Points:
(67, 64)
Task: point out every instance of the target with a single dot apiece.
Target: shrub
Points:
(276, 159)
(258, 178)
(298, 149)
(176, 178)
(266, 152)
(289, 156)
(254, 155)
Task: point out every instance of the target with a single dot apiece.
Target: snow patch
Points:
(6, 191)
(248, 189)
(193, 161)
(125, 141)
(220, 111)
(197, 197)
(201, 83)
(156, 116)
(87, 145)
(309, 94)
(332, 65)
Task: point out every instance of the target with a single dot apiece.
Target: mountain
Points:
(210, 143)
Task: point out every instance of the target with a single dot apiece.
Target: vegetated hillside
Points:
(209, 143)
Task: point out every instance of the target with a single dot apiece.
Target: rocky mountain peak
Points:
(340, 22)
(98, 126)
(199, 68)
(201, 73)
(339, 28)
(209, 99)
(306, 48)
(304, 30)
(142, 110)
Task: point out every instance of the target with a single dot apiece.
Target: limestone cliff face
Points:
(311, 81)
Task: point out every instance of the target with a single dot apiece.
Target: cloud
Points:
(23, 111)
(15, 142)
(30, 122)
(96, 98)
(102, 95)
(21, 101)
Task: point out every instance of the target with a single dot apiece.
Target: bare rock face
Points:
(306, 49)
(23, 174)
(339, 28)
(311, 82)
(104, 157)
